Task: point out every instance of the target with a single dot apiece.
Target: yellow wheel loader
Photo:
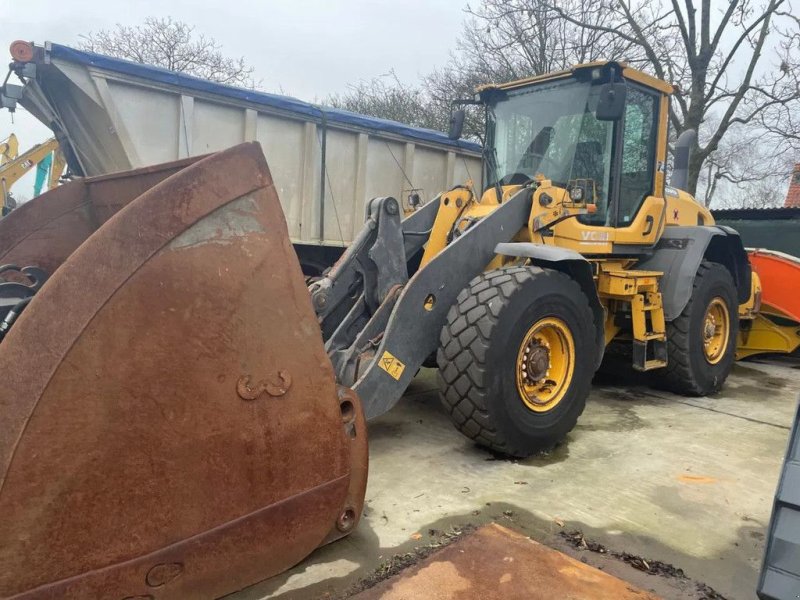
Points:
(182, 416)
(517, 289)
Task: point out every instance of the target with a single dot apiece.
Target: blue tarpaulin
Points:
(284, 103)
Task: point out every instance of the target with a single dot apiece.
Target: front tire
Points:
(516, 359)
(701, 341)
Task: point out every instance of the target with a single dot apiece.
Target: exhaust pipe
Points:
(683, 153)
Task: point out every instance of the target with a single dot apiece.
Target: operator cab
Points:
(554, 129)
(593, 131)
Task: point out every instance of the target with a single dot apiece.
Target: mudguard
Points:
(170, 426)
(679, 253)
(573, 264)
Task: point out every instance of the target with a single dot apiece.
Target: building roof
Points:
(757, 214)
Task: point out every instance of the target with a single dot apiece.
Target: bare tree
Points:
(745, 172)
(736, 63)
(173, 45)
(735, 66)
(511, 39)
(502, 40)
(782, 119)
(387, 97)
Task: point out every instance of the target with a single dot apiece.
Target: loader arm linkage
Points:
(388, 331)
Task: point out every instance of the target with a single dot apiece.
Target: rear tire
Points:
(698, 362)
(500, 322)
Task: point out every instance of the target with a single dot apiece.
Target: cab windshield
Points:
(550, 129)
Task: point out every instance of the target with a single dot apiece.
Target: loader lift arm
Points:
(379, 359)
(374, 264)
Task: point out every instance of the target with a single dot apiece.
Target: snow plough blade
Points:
(170, 426)
(776, 329)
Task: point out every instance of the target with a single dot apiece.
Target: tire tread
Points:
(463, 350)
(678, 376)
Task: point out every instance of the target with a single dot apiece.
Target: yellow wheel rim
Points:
(716, 330)
(545, 364)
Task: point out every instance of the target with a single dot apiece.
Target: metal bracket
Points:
(354, 299)
(10, 94)
(365, 269)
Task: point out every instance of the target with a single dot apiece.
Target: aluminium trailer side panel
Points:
(116, 115)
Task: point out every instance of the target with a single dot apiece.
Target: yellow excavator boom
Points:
(14, 167)
(56, 169)
(8, 149)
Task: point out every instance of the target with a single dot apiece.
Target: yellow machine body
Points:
(554, 220)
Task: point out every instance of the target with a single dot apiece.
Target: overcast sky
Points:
(307, 48)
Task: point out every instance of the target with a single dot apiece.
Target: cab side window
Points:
(591, 159)
(638, 153)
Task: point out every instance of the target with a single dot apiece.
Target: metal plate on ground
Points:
(495, 563)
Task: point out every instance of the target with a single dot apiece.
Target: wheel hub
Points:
(545, 364)
(537, 362)
(710, 328)
(715, 330)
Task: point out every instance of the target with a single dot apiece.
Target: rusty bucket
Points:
(170, 426)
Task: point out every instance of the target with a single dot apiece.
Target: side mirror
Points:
(456, 124)
(611, 105)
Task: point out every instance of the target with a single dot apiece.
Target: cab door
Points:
(630, 206)
(638, 203)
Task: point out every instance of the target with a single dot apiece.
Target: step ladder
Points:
(640, 290)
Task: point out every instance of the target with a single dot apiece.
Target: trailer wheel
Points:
(516, 359)
(701, 342)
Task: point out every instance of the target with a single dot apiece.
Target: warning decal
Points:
(391, 365)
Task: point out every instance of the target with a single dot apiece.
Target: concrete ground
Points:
(687, 481)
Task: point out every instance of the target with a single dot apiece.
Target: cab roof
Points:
(627, 72)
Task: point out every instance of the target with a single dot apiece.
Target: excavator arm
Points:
(8, 149)
(14, 169)
(56, 168)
